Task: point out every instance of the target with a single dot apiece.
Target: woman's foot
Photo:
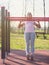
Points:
(31, 57)
(27, 57)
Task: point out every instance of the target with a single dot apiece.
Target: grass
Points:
(41, 44)
(17, 42)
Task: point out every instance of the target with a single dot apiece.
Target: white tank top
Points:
(29, 26)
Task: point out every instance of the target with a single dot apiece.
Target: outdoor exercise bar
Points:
(28, 19)
(5, 28)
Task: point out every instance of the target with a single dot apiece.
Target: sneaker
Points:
(27, 57)
(31, 57)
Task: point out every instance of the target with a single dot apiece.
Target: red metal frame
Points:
(28, 19)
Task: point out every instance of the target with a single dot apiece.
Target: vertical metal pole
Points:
(44, 21)
(6, 30)
(48, 27)
(33, 7)
(25, 8)
(3, 33)
(8, 23)
(7, 33)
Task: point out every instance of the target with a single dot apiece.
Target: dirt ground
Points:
(18, 57)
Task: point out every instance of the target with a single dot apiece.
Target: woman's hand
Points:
(38, 24)
(20, 25)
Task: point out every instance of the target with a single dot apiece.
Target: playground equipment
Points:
(5, 29)
(5, 23)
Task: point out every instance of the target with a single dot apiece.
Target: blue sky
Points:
(17, 7)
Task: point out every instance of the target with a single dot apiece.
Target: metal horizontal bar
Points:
(28, 18)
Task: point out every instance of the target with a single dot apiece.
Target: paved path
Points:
(17, 57)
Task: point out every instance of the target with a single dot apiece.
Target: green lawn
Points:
(17, 42)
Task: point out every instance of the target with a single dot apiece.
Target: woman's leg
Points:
(27, 38)
(32, 36)
(32, 42)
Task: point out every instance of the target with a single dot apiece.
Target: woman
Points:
(29, 34)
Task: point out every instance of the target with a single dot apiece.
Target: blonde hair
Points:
(29, 13)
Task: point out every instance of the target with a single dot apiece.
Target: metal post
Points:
(44, 21)
(33, 7)
(25, 7)
(8, 33)
(3, 33)
(48, 27)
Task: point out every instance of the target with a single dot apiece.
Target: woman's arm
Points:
(21, 25)
(37, 24)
